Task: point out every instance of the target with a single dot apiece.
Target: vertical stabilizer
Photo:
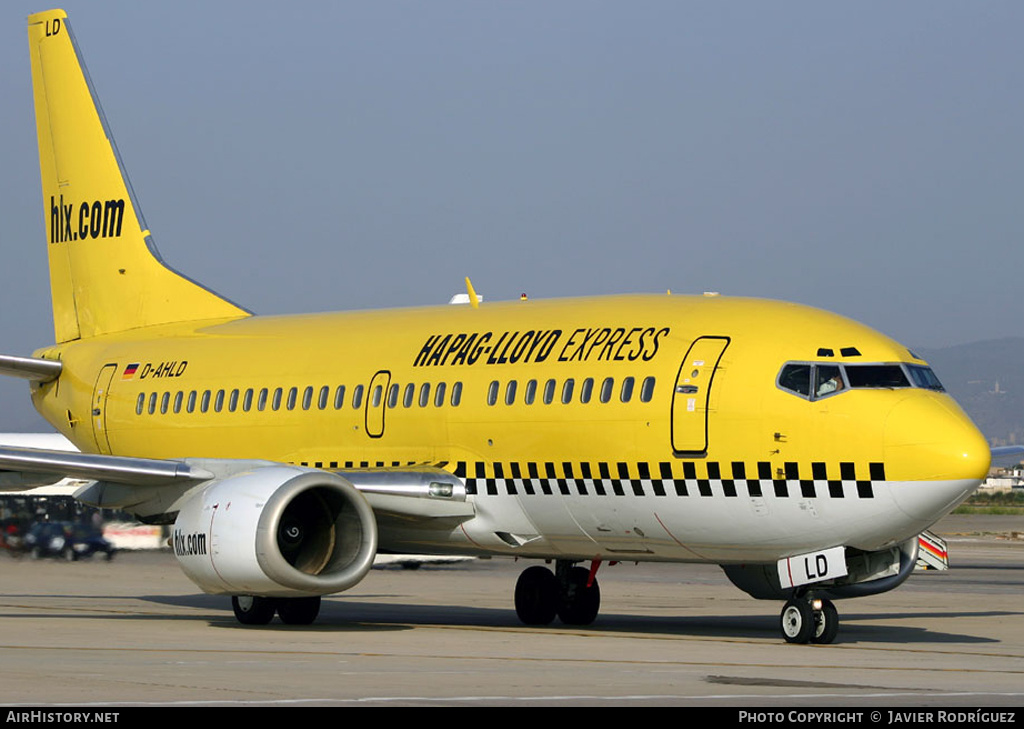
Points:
(105, 273)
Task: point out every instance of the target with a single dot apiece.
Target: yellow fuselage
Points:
(707, 438)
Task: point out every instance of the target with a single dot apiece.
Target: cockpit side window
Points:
(811, 380)
(827, 380)
(796, 378)
(925, 377)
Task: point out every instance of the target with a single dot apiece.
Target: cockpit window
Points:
(813, 380)
(925, 377)
(886, 375)
(796, 378)
(827, 380)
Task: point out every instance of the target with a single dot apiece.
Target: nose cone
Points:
(936, 453)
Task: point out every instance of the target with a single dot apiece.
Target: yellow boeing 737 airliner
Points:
(801, 451)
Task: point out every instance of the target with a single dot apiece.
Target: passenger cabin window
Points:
(531, 392)
(393, 396)
(607, 388)
(586, 390)
(549, 392)
(424, 394)
(190, 406)
(627, 390)
(410, 392)
(439, 395)
(567, 389)
(261, 401)
(492, 393)
(510, 392)
(325, 397)
(456, 394)
(647, 389)
(357, 397)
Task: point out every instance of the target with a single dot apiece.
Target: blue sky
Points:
(863, 157)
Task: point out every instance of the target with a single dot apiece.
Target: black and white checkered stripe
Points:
(689, 478)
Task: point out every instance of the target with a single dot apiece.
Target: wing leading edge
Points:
(124, 482)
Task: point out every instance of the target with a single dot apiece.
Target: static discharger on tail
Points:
(801, 451)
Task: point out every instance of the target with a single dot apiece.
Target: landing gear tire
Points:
(537, 596)
(826, 623)
(251, 610)
(298, 610)
(798, 623)
(580, 603)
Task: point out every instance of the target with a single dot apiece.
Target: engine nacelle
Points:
(276, 531)
(868, 573)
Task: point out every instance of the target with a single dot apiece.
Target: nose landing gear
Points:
(808, 620)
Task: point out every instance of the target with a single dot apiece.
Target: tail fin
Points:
(105, 273)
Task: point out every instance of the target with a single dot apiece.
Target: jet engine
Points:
(868, 573)
(276, 531)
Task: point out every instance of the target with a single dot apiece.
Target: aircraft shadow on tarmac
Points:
(339, 615)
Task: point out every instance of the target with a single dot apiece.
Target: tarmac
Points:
(134, 632)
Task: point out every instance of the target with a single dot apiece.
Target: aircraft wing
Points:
(1003, 456)
(426, 492)
(31, 467)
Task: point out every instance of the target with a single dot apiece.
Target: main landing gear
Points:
(809, 620)
(252, 610)
(570, 592)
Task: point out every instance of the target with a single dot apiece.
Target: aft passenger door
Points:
(692, 395)
(99, 407)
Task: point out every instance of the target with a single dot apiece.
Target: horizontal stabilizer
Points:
(30, 368)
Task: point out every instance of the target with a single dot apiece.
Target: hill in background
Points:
(987, 379)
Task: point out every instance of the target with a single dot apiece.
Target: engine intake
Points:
(276, 531)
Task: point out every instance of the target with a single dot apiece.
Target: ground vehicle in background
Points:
(67, 540)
